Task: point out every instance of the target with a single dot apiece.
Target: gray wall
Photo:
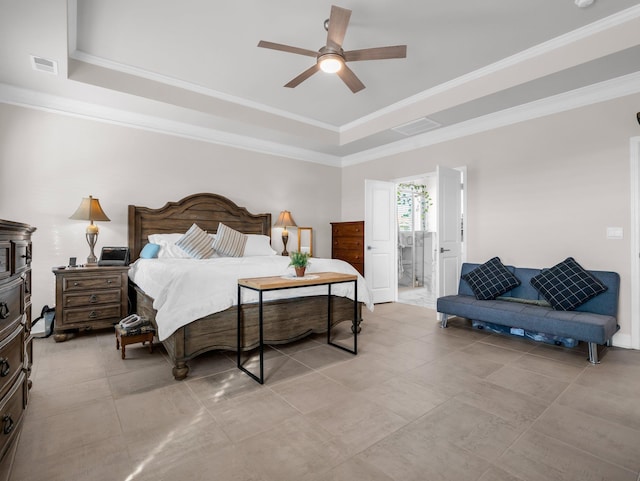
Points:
(538, 191)
(49, 162)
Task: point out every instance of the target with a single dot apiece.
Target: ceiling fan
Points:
(332, 58)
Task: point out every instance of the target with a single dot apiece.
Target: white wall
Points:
(49, 162)
(538, 191)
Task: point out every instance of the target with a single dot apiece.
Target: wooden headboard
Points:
(206, 210)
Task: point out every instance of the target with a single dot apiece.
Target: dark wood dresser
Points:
(347, 243)
(16, 353)
(89, 298)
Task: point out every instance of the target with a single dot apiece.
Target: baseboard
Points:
(622, 340)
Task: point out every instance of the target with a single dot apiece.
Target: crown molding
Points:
(536, 51)
(608, 90)
(592, 94)
(60, 105)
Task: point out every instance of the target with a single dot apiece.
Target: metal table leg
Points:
(260, 379)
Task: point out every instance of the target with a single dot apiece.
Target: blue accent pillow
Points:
(567, 285)
(491, 279)
(150, 251)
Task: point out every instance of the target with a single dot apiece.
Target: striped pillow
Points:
(229, 242)
(196, 243)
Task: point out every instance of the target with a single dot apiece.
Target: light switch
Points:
(614, 233)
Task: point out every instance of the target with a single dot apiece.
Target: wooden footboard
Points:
(285, 320)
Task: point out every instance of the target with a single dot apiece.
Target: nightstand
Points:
(89, 298)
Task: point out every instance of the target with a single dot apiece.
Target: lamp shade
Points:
(285, 220)
(90, 209)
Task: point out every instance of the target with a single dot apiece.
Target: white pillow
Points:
(163, 238)
(172, 251)
(258, 245)
(168, 248)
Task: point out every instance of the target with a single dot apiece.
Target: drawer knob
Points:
(93, 315)
(7, 424)
(4, 310)
(93, 298)
(109, 281)
(76, 284)
(6, 368)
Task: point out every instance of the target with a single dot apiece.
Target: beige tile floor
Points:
(417, 403)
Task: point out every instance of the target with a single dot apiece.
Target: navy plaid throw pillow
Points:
(491, 279)
(567, 285)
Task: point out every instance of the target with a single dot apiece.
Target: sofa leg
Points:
(443, 323)
(593, 353)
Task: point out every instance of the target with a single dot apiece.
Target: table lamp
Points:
(285, 220)
(90, 210)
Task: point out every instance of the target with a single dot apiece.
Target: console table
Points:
(275, 283)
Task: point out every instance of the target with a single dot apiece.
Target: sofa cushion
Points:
(491, 279)
(584, 326)
(567, 285)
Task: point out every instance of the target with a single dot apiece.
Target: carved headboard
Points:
(206, 210)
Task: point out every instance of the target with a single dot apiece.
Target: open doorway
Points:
(416, 207)
(433, 270)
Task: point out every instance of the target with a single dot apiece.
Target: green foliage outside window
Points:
(406, 193)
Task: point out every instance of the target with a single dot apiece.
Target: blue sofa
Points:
(594, 322)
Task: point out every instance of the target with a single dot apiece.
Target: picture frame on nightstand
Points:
(305, 240)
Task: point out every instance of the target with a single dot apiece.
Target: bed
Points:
(285, 320)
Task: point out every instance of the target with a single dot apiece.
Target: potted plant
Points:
(300, 261)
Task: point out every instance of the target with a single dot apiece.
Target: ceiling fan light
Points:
(330, 63)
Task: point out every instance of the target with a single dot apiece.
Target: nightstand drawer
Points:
(80, 283)
(91, 314)
(11, 359)
(86, 299)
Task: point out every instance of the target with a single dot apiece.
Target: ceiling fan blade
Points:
(348, 77)
(378, 53)
(338, 22)
(303, 76)
(287, 48)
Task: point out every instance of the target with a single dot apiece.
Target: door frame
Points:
(634, 341)
(465, 214)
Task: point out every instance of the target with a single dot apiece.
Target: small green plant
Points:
(299, 259)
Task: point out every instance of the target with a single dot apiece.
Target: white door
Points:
(449, 237)
(380, 239)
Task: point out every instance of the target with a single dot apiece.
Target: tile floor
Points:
(417, 296)
(417, 403)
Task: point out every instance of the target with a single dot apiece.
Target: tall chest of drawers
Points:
(16, 354)
(89, 298)
(347, 243)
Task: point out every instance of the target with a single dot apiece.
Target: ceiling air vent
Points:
(416, 127)
(44, 65)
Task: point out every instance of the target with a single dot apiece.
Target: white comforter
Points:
(187, 289)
